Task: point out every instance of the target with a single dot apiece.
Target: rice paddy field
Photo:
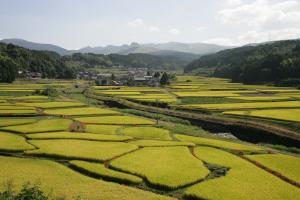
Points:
(216, 95)
(76, 151)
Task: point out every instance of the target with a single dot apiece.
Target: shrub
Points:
(28, 192)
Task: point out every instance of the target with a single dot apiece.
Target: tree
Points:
(113, 77)
(165, 80)
(8, 69)
(156, 75)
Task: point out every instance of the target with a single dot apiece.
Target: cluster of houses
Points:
(29, 75)
(134, 77)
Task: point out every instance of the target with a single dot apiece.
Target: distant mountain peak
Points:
(134, 47)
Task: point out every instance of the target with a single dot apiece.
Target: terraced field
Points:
(12, 142)
(281, 114)
(218, 143)
(80, 111)
(243, 181)
(147, 133)
(79, 149)
(79, 152)
(288, 166)
(141, 94)
(63, 182)
(234, 106)
(115, 120)
(44, 125)
(163, 167)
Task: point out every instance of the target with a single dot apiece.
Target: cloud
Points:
(273, 35)
(138, 22)
(154, 29)
(200, 28)
(263, 14)
(174, 31)
(254, 36)
(220, 41)
(233, 3)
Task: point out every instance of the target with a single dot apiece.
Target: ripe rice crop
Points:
(170, 100)
(243, 180)
(206, 94)
(152, 96)
(288, 166)
(159, 143)
(80, 149)
(15, 121)
(17, 112)
(12, 142)
(227, 106)
(81, 136)
(217, 143)
(14, 107)
(281, 114)
(118, 92)
(81, 111)
(106, 173)
(60, 181)
(260, 98)
(102, 129)
(54, 104)
(122, 120)
(163, 166)
(147, 132)
(41, 126)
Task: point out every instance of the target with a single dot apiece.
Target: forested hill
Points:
(269, 62)
(14, 58)
(52, 65)
(138, 60)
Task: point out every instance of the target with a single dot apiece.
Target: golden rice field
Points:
(261, 98)
(80, 149)
(217, 143)
(287, 165)
(43, 125)
(81, 136)
(228, 106)
(75, 151)
(116, 120)
(160, 143)
(243, 180)
(12, 142)
(102, 129)
(163, 167)
(15, 121)
(62, 182)
(280, 114)
(18, 112)
(81, 111)
(106, 173)
(52, 104)
(147, 133)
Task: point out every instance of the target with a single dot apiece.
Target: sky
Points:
(73, 24)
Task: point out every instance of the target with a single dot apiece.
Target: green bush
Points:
(28, 192)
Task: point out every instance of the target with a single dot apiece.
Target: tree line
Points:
(277, 62)
(52, 65)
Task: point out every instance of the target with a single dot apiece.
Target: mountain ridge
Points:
(125, 49)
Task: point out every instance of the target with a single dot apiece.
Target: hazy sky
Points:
(78, 23)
